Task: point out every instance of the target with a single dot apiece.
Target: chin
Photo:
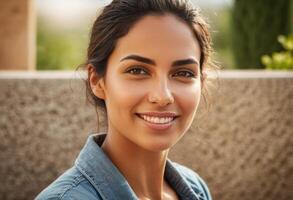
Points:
(158, 147)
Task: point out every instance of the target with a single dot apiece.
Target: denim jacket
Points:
(95, 177)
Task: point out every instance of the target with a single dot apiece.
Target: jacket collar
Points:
(106, 178)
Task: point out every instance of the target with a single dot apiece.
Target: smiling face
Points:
(152, 85)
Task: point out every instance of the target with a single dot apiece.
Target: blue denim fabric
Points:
(95, 177)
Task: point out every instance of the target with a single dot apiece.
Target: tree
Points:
(255, 26)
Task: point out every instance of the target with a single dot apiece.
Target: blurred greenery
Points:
(219, 20)
(59, 48)
(64, 49)
(283, 59)
(255, 27)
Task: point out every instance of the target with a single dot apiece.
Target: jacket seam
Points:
(89, 179)
(77, 180)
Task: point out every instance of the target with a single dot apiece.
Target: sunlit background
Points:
(63, 28)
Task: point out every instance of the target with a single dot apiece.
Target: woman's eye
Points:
(186, 74)
(137, 71)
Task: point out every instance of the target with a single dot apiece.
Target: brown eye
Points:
(137, 71)
(185, 74)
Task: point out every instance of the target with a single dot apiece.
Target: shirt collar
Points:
(106, 178)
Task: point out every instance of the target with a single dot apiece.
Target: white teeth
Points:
(157, 120)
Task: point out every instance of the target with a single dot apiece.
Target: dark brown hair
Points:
(117, 18)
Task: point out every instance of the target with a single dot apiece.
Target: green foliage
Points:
(256, 25)
(219, 20)
(59, 48)
(283, 59)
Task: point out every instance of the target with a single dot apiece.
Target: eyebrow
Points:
(152, 62)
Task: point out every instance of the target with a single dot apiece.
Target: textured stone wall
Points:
(242, 146)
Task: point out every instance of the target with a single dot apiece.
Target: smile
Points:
(157, 120)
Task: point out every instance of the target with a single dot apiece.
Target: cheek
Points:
(188, 99)
(124, 94)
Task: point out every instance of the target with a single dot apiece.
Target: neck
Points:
(143, 169)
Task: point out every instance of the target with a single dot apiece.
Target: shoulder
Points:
(71, 185)
(193, 179)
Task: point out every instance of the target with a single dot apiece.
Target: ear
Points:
(96, 82)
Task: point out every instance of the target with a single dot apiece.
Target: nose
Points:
(161, 93)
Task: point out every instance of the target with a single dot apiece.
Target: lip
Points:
(159, 114)
(158, 127)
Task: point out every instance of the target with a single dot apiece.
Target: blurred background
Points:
(63, 29)
(246, 34)
(53, 35)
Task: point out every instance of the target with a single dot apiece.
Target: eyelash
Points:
(190, 74)
(136, 68)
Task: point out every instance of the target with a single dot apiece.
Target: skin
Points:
(138, 151)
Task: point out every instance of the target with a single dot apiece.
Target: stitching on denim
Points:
(90, 179)
(76, 181)
(185, 172)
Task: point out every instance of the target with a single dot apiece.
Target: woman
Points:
(146, 63)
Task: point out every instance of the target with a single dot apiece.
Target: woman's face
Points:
(152, 84)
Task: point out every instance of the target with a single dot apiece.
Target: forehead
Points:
(162, 38)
